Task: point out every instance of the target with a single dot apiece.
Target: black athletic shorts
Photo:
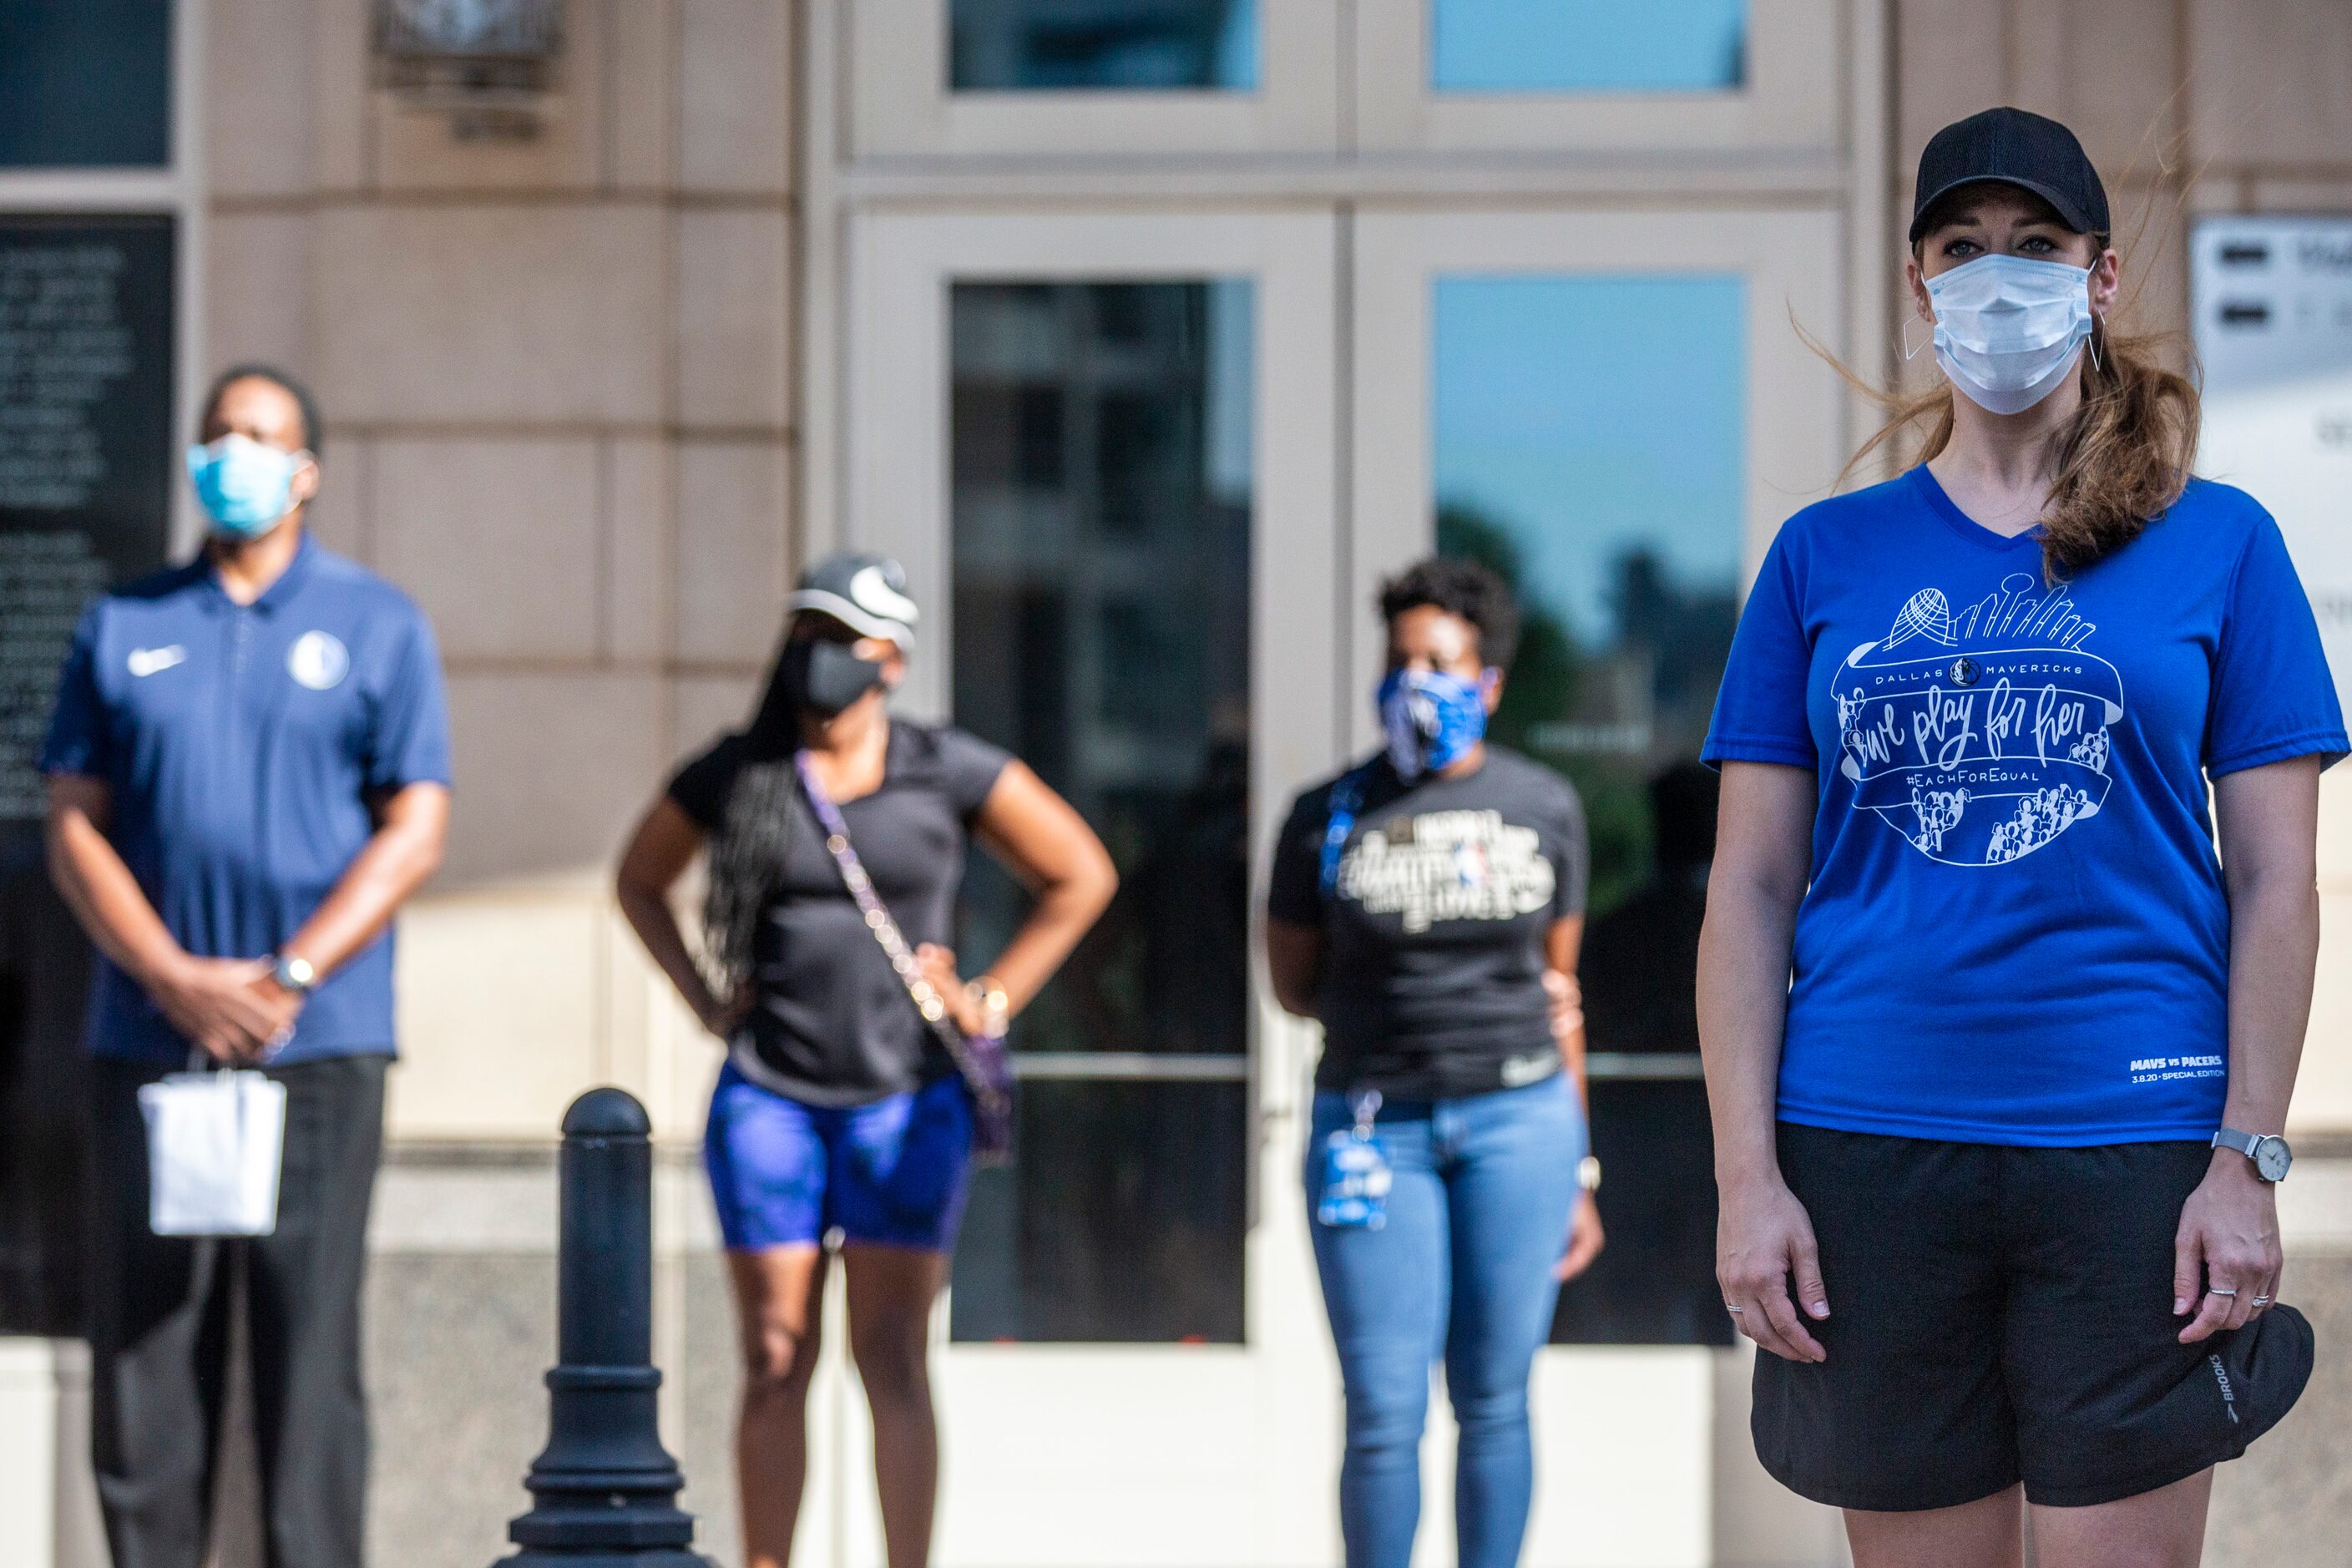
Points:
(2003, 1314)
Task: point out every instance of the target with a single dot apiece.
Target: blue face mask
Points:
(1432, 719)
(245, 488)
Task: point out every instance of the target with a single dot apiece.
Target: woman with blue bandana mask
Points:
(1432, 720)
(1426, 907)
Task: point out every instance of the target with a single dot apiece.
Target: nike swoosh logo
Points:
(146, 661)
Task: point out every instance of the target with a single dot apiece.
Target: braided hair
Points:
(746, 866)
(747, 855)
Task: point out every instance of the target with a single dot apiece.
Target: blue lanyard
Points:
(1347, 800)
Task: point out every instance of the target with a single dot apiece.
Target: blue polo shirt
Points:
(243, 743)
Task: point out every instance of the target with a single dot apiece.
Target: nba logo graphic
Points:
(1966, 671)
(318, 660)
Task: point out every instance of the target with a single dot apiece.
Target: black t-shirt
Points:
(832, 1024)
(1434, 938)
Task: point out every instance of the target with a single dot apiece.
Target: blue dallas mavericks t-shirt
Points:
(2016, 931)
(243, 744)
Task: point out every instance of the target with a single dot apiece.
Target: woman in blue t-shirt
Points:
(1999, 1050)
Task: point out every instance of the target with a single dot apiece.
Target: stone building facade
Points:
(594, 395)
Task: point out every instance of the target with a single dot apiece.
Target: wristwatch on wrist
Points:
(2267, 1151)
(294, 975)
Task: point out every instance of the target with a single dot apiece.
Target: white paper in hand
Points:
(213, 1144)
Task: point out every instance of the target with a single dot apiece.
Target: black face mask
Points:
(824, 677)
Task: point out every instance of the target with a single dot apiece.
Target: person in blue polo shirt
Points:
(248, 773)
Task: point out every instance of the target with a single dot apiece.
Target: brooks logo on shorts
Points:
(2228, 1394)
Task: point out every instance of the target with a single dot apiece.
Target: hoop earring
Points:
(2093, 341)
(1910, 353)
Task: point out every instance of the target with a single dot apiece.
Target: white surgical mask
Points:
(2008, 327)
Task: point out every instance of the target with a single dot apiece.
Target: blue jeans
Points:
(1476, 1220)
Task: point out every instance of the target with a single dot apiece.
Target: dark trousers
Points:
(159, 1332)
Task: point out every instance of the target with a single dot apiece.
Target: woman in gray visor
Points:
(859, 1060)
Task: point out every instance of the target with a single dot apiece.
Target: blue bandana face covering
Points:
(1432, 719)
(245, 488)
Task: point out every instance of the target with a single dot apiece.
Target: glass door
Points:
(1064, 425)
(1152, 468)
(1612, 411)
(1599, 76)
(1101, 481)
(1142, 79)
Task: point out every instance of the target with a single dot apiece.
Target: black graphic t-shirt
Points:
(1434, 933)
(832, 1024)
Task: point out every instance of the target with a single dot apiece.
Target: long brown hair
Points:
(2125, 459)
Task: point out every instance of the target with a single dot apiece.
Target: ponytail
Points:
(2125, 461)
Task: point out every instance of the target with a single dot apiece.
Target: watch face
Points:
(2271, 1157)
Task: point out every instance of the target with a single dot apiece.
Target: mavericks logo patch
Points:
(318, 660)
(1980, 737)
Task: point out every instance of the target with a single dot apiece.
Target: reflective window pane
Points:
(1588, 45)
(85, 84)
(1101, 520)
(1122, 1221)
(1590, 444)
(1121, 46)
(1655, 1283)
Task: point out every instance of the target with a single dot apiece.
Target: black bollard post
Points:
(604, 1489)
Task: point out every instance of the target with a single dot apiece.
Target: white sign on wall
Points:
(2272, 302)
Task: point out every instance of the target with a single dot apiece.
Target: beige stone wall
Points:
(558, 394)
(2112, 69)
(2186, 107)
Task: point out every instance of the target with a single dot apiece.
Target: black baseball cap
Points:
(2011, 147)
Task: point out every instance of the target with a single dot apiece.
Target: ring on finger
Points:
(1734, 1312)
(2260, 1302)
(2218, 1290)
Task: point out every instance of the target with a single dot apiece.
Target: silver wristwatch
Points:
(294, 975)
(2267, 1151)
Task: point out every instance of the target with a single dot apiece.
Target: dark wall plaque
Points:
(86, 444)
(86, 437)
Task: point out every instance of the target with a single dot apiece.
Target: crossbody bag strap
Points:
(925, 996)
